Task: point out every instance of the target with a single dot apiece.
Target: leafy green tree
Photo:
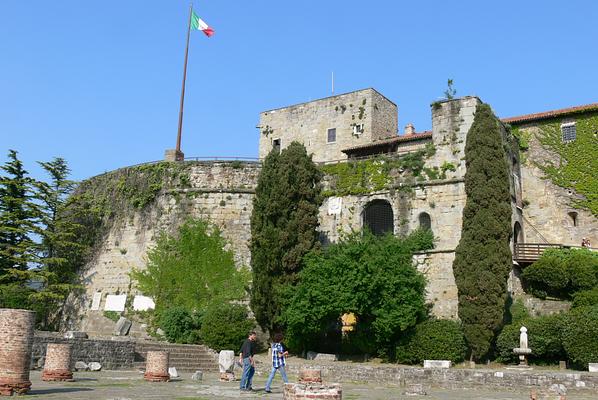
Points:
(18, 218)
(224, 326)
(483, 257)
(371, 277)
(283, 227)
(191, 270)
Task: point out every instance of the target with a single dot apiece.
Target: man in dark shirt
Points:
(246, 359)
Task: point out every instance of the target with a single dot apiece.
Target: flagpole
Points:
(178, 138)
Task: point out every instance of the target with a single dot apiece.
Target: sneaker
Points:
(267, 391)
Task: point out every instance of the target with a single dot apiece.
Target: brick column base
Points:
(10, 386)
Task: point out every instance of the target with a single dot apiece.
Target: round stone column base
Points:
(156, 377)
(57, 376)
(9, 386)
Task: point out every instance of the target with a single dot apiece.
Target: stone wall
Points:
(308, 123)
(112, 354)
(445, 378)
(219, 192)
(548, 206)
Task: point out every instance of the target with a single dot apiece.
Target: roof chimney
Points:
(409, 129)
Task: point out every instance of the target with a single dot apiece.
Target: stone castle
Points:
(349, 128)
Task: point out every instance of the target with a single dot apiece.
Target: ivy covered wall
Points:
(576, 164)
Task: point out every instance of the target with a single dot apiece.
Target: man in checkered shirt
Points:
(278, 361)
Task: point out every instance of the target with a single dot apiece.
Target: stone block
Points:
(197, 376)
(122, 327)
(312, 355)
(94, 366)
(437, 364)
(593, 367)
(173, 372)
(226, 361)
(81, 366)
(75, 335)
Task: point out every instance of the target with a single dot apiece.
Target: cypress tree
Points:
(283, 227)
(483, 258)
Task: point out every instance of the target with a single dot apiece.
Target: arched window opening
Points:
(573, 216)
(378, 217)
(425, 222)
(517, 234)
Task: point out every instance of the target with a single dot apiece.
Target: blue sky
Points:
(98, 82)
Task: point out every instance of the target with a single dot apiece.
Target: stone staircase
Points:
(184, 357)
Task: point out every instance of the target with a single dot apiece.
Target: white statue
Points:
(523, 338)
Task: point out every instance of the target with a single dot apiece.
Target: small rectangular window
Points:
(357, 129)
(276, 144)
(331, 135)
(569, 132)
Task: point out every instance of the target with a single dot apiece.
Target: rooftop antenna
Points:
(333, 83)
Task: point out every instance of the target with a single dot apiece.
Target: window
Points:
(378, 217)
(276, 144)
(357, 129)
(569, 132)
(573, 216)
(331, 135)
(425, 222)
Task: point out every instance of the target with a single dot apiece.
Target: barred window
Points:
(331, 135)
(378, 217)
(569, 132)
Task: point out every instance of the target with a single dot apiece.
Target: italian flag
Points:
(197, 23)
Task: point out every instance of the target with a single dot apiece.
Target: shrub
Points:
(580, 336)
(433, 340)
(561, 273)
(544, 338)
(177, 324)
(224, 326)
(585, 298)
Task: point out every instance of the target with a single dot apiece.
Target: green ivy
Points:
(578, 160)
(371, 175)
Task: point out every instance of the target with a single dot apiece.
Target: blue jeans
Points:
(248, 371)
(283, 373)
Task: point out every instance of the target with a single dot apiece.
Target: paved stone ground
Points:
(129, 385)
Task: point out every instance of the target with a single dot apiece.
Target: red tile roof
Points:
(384, 142)
(551, 114)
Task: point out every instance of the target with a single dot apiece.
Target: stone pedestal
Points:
(226, 365)
(58, 363)
(156, 366)
(16, 341)
(173, 155)
(310, 376)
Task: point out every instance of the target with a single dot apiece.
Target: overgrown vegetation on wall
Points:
(379, 173)
(283, 227)
(577, 160)
(372, 277)
(483, 257)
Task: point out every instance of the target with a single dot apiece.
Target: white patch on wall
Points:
(95, 302)
(115, 302)
(143, 303)
(335, 205)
